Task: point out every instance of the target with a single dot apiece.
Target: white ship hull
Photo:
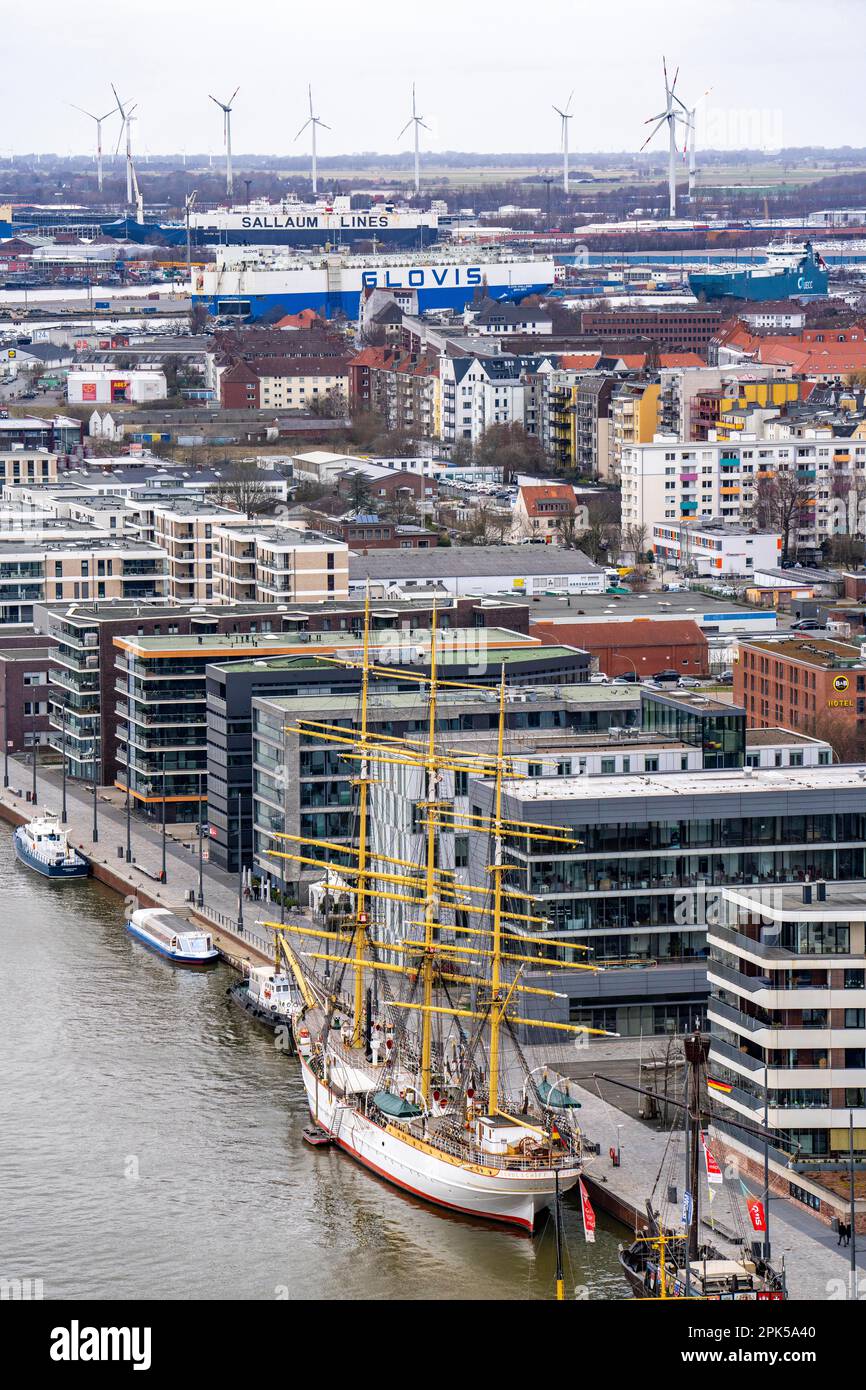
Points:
(516, 1197)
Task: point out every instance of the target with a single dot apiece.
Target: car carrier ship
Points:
(290, 222)
(793, 276)
(251, 285)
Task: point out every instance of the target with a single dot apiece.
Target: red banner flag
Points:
(588, 1213)
(756, 1214)
(714, 1172)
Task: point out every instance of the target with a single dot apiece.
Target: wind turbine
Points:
(690, 139)
(670, 117)
(417, 121)
(126, 126)
(98, 120)
(565, 116)
(226, 108)
(312, 121)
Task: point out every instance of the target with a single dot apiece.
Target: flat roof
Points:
(784, 903)
(718, 782)
(465, 639)
(467, 560)
(812, 651)
(771, 738)
(485, 698)
(672, 604)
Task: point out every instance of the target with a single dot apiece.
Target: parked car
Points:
(726, 678)
(666, 675)
(807, 625)
(630, 678)
(599, 678)
(688, 682)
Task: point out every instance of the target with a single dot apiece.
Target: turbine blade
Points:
(321, 123)
(568, 103)
(303, 128)
(233, 95)
(405, 128)
(653, 132)
(310, 93)
(83, 112)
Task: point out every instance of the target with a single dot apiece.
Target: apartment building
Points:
(803, 681)
(184, 527)
(284, 384)
(263, 562)
(24, 695)
(478, 392)
(546, 510)
(77, 568)
(671, 481)
(787, 1013)
(714, 549)
(633, 419)
(19, 466)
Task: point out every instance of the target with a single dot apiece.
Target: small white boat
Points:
(43, 844)
(267, 995)
(172, 937)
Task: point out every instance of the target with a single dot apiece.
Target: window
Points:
(563, 767)
(651, 764)
(608, 766)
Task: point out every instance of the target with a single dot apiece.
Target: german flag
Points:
(723, 1087)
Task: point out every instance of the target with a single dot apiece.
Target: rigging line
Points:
(607, 1107)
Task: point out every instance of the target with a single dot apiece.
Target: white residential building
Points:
(670, 481)
(714, 549)
(478, 392)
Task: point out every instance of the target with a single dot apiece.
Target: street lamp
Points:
(240, 923)
(34, 737)
(95, 787)
(128, 807)
(162, 877)
(5, 747)
(200, 899)
(63, 763)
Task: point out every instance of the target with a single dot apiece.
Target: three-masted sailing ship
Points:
(672, 1260)
(409, 1043)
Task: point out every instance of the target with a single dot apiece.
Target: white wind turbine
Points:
(670, 118)
(98, 120)
(126, 128)
(690, 139)
(313, 121)
(226, 108)
(417, 121)
(565, 116)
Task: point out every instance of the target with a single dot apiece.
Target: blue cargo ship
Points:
(787, 276)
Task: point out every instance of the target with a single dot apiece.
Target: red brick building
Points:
(802, 682)
(683, 329)
(643, 646)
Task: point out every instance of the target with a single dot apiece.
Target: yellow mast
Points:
(497, 1009)
(361, 888)
(431, 913)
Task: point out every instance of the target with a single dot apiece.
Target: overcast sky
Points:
(781, 71)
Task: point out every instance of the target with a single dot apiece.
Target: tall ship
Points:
(255, 284)
(790, 276)
(291, 222)
(409, 1039)
(676, 1255)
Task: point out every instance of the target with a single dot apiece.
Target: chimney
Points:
(821, 891)
(807, 892)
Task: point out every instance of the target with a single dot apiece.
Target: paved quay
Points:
(816, 1267)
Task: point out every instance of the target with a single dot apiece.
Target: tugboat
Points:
(172, 937)
(42, 844)
(268, 996)
(668, 1263)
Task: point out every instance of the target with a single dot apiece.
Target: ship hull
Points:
(178, 957)
(516, 1200)
(388, 238)
(274, 1022)
(760, 288)
(79, 869)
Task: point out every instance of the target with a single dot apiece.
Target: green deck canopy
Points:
(395, 1106)
(557, 1099)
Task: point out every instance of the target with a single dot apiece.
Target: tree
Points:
(331, 406)
(198, 318)
(359, 490)
(245, 491)
(510, 448)
(778, 503)
(634, 541)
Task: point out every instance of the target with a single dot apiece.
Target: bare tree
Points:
(778, 504)
(245, 491)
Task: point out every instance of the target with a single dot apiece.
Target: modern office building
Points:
(714, 549)
(652, 853)
(787, 1012)
(234, 687)
(302, 784)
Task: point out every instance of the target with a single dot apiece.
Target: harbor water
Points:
(150, 1142)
